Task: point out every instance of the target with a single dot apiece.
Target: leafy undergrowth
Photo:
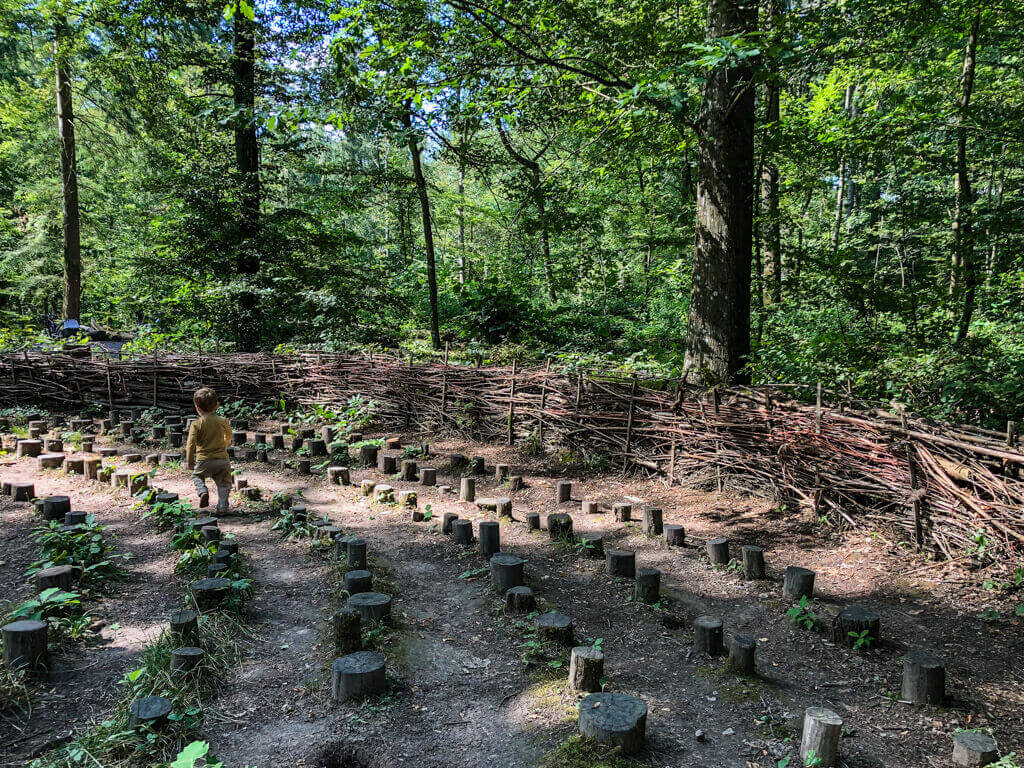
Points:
(580, 752)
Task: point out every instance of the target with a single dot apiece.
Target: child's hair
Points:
(205, 400)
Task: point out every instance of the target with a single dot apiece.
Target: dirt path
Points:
(461, 693)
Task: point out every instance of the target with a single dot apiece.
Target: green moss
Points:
(579, 752)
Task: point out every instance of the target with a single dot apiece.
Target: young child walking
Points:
(206, 450)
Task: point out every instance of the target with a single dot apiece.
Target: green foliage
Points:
(171, 514)
(802, 614)
(861, 640)
(86, 547)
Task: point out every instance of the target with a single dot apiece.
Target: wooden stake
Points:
(511, 402)
(154, 375)
(817, 411)
(915, 501)
(629, 425)
(543, 401)
(110, 391)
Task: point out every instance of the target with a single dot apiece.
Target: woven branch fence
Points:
(937, 485)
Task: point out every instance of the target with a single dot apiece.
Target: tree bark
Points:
(428, 233)
(247, 166)
(772, 255)
(69, 181)
(718, 327)
(964, 276)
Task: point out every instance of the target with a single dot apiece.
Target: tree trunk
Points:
(718, 328)
(844, 188)
(463, 261)
(964, 272)
(770, 228)
(428, 234)
(247, 166)
(68, 182)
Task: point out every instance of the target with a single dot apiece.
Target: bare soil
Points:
(461, 693)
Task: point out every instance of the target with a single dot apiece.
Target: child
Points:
(206, 450)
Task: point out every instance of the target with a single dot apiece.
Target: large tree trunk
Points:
(247, 166)
(428, 233)
(718, 327)
(68, 183)
(964, 273)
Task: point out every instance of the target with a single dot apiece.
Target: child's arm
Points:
(190, 447)
(226, 426)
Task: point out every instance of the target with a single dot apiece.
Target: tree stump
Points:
(556, 628)
(223, 557)
(506, 571)
(741, 655)
(53, 445)
(251, 493)
(446, 523)
(316, 447)
(75, 465)
(210, 593)
(458, 461)
(718, 551)
(387, 464)
(520, 600)
(851, 624)
(974, 749)
(30, 448)
(76, 518)
(185, 660)
(107, 453)
(87, 446)
(614, 719)
(822, 730)
(175, 438)
(25, 644)
(620, 563)
(589, 507)
(229, 545)
(238, 438)
(462, 532)
(347, 625)
(467, 489)
(708, 635)
(210, 534)
(150, 712)
(408, 498)
(648, 586)
(798, 582)
(185, 627)
(50, 460)
(753, 563)
(216, 570)
(503, 507)
(372, 606)
(563, 491)
(170, 458)
(338, 476)
(368, 455)
(304, 466)
(355, 551)
(515, 483)
(428, 476)
(56, 507)
(132, 458)
(924, 679)
(358, 581)
(675, 535)
(159, 432)
(490, 539)
(366, 487)
(501, 472)
(533, 521)
(22, 491)
(393, 443)
(477, 466)
(357, 676)
(560, 527)
(592, 544)
(277, 442)
(240, 483)
(586, 668)
(59, 576)
(384, 494)
(409, 470)
(91, 468)
(652, 521)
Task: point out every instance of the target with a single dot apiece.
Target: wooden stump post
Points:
(357, 676)
(586, 668)
(974, 750)
(798, 582)
(924, 679)
(741, 655)
(753, 563)
(675, 535)
(347, 625)
(520, 600)
(648, 586)
(467, 489)
(653, 521)
(708, 636)
(620, 563)
(614, 719)
(25, 644)
(506, 572)
(822, 730)
(556, 627)
(718, 551)
(490, 539)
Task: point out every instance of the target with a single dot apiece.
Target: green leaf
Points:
(188, 756)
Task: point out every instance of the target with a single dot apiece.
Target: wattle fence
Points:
(949, 488)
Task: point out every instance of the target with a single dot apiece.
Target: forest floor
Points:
(465, 689)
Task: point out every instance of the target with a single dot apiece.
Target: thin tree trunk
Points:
(963, 234)
(463, 261)
(718, 326)
(771, 234)
(428, 233)
(68, 182)
(843, 198)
